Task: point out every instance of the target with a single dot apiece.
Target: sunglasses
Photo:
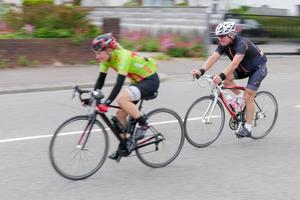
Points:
(97, 47)
(222, 36)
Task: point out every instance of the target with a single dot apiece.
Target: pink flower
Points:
(166, 42)
(28, 28)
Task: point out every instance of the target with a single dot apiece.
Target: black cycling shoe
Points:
(243, 133)
(114, 155)
(122, 151)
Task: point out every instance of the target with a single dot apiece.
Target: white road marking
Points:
(298, 106)
(63, 134)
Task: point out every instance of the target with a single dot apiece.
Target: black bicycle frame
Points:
(130, 128)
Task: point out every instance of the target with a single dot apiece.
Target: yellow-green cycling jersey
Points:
(128, 63)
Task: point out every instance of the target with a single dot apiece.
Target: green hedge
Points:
(45, 20)
(277, 26)
(36, 2)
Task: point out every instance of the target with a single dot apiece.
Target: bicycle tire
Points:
(165, 122)
(66, 135)
(203, 136)
(261, 115)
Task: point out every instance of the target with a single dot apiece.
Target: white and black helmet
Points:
(224, 28)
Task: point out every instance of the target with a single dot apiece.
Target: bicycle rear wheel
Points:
(78, 148)
(265, 116)
(204, 123)
(163, 140)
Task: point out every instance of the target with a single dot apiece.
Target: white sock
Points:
(248, 127)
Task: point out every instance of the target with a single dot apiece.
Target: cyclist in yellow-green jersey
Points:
(141, 71)
(128, 63)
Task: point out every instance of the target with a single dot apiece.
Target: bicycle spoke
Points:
(200, 131)
(78, 161)
(265, 115)
(167, 137)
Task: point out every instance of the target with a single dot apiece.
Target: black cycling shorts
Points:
(148, 86)
(255, 77)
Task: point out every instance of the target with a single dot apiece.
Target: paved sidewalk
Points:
(47, 78)
(52, 78)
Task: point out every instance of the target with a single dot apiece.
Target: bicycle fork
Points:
(86, 133)
(206, 119)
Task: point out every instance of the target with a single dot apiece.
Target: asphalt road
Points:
(228, 169)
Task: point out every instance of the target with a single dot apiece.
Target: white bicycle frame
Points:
(215, 92)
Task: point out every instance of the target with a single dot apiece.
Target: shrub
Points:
(49, 20)
(150, 45)
(172, 45)
(3, 63)
(127, 44)
(50, 33)
(177, 52)
(36, 2)
(23, 61)
(131, 3)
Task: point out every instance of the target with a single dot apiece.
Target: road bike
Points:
(79, 146)
(205, 118)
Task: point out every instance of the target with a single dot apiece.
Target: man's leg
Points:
(229, 82)
(254, 82)
(250, 107)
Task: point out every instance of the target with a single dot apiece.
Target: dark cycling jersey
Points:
(253, 58)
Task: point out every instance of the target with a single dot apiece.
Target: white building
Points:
(292, 6)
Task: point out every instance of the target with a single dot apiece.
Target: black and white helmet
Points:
(224, 28)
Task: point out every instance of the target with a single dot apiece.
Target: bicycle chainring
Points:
(233, 124)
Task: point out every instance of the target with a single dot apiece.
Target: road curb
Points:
(163, 77)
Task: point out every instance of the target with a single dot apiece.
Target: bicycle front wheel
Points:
(265, 116)
(163, 140)
(78, 148)
(204, 122)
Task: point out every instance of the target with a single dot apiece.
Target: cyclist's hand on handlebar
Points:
(86, 102)
(102, 108)
(196, 73)
(217, 79)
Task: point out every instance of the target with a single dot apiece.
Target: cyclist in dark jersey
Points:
(247, 60)
(141, 71)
